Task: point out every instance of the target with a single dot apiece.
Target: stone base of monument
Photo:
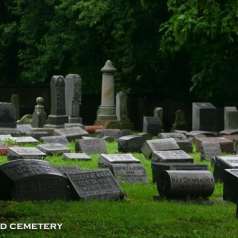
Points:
(56, 121)
(75, 119)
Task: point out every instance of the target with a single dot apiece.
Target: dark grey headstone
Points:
(230, 191)
(7, 115)
(97, 184)
(184, 184)
(91, 146)
(76, 156)
(185, 145)
(32, 180)
(108, 159)
(55, 139)
(158, 145)
(53, 148)
(17, 152)
(71, 133)
(152, 125)
(15, 100)
(230, 118)
(115, 133)
(210, 150)
(131, 143)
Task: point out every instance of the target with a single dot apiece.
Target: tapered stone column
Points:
(107, 111)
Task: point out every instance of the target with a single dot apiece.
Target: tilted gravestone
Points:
(222, 163)
(230, 118)
(58, 117)
(230, 192)
(73, 95)
(17, 152)
(210, 150)
(152, 125)
(158, 145)
(95, 184)
(55, 139)
(131, 143)
(32, 180)
(7, 115)
(39, 115)
(76, 156)
(184, 184)
(71, 133)
(91, 146)
(53, 148)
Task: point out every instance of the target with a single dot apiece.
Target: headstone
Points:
(39, 115)
(71, 133)
(7, 115)
(175, 135)
(76, 156)
(159, 113)
(131, 143)
(180, 120)
(73, 95)
(152, 125)
(15, 100)
(32, 180)
(17, 152)
(145, 135)
(37, 133)
(53, 148)
(91, 146)
(201, 133)
(210, 150)
(186, 184)
(222, 163)
(25, 140)
(115, 133)
(97, 184)
(186, 145)
(159, 167)
(106, 111)
(55, 139)
(24, 128)
(158, 145)
(207, 117)
(58, 117)
(230, 192)
(172, 156)
(108, 159)
(230, 118)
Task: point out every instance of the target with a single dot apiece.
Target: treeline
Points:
(176, 49)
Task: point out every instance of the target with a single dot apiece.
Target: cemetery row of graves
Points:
(28, 171)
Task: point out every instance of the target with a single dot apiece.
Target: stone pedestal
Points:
(107, 111)
(57, 118)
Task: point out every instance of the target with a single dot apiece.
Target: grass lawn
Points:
(136, 217)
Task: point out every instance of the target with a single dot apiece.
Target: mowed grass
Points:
(138, 216)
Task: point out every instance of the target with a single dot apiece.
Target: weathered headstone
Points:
(53, 148)
(159, 113)
(186, 145)
(55, 139)
(97, 184)
(71, 133)
(24, 129)
(131, 143)
(17, 152)
(230, 118)
(39, 115)
(108, 159)
(175, 135)
(158, 145)
(58, 117)
(230, 192)
(25, 140)
(222, 163)
(91, 146)
(180, 120)
(115, 133)
(15, 100)
(32, 180)
(152, 125)
(210, 150)
(73, 95)
(76, 156)
(7, 115)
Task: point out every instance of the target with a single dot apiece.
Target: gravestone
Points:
(185, 145)
(15, 100)
(158, 145)
(159, 113)
(172, 156)
(7, 115)
(91, 146)
(71, 133)
(186, 184)
(53, 148)
(180, 121)
(39, 115)
(222, 163)
(17, 152)
(37, 133)
(32, 180)
(159, 167)
(73, 95)
(95, 184)
(207, 117)
(24, 128)
(76, 156)
(108, 159)
(55, 139)
(131, 143)
(25, 140)
(210, 150)
(58, 117)
(115, 133)
(175, 135)
(230, 192)
(230, 118)
(152, 125)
